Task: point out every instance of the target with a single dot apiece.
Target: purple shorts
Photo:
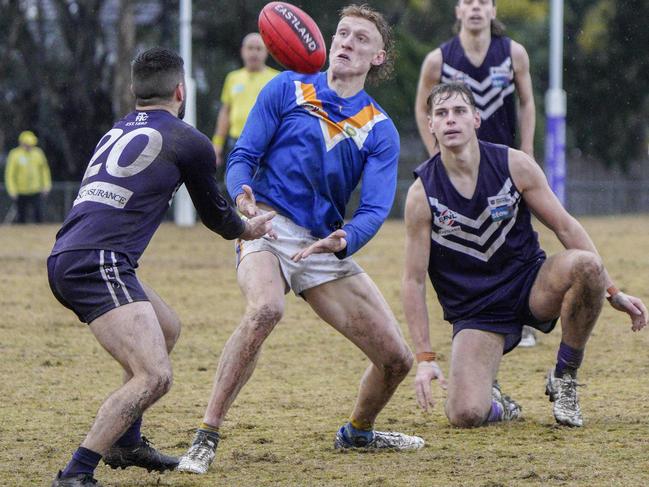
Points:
(509, 323)
(93, 282)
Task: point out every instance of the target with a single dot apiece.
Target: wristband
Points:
(612, 291)
(218, 140)
(426, 357)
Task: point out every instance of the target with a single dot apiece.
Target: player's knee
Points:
(263, 318)
(588, 268)
(267, 314)
(466, 416)
(398, 365)
(159, 382)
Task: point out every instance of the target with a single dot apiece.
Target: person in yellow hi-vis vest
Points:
(27, 177)
(239, 94)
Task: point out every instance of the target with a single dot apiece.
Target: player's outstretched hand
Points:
(427, 372)
(259, 226)
(335, 242)
(633, 306)
(246, 202)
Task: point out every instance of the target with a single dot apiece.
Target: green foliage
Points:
(56, 71)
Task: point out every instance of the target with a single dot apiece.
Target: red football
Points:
(292, 37)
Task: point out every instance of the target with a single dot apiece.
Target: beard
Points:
(181, 110)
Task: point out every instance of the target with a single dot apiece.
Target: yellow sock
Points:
(207, 427)
(361, 425)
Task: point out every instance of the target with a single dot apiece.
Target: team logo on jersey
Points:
(238, 88)
(499, 76)
(501, 207)
(357, 127)
(446, 221)
(142, 117)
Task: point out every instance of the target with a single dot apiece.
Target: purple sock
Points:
(83, 461)
(495, 413)
(568, 360)
(132, 435)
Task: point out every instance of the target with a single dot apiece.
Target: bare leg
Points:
(263, 285)
(475, 359)
(570, 284)
(355, 307)
(132, 335)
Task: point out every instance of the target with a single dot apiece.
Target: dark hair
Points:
(155, 73)
(364, 11)
(497, 27)
(443, 92)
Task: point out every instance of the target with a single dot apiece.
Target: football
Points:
(292, 37)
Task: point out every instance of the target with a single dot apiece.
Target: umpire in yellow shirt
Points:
(27, 177)
(239, 93)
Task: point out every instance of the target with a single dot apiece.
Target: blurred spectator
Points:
(27, 177)
(239, 93)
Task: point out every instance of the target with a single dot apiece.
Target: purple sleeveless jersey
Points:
(130, 181)
(492, 84)
(483, 250)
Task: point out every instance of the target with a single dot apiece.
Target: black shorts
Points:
(510, 323)
(93, 282)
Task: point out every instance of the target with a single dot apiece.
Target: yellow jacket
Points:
(27, 172)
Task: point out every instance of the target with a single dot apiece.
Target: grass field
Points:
(280, 430)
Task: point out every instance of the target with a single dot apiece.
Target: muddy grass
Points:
(280, 430)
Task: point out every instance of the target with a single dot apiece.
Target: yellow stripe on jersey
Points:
(356, 127)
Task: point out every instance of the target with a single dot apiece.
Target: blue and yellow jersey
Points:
(304, 149)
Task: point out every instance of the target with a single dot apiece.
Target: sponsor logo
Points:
(310, 107)
(445, 220)
(291, 19)
(501, 207)
(500, 76)
(106, 193)
(140, 119)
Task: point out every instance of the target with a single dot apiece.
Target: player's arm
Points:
(10, 175)
(378, 187)
(430, 75)
(198, 172)
(260, 128)
(221, 132)
(413, 291)
(526, 109)
(532, 184)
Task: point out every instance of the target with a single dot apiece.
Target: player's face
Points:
(453, 121)
(356, 46)
(475, 15)
(253, 52)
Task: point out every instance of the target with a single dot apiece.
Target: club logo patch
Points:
(500, 76)
(501, 207)
(445, 220)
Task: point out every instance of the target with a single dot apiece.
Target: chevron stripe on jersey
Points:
(356, 127)
(488, 99)
(492, 84)
(471, 236)
(480, 246)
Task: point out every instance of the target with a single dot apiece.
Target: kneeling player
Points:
(133, 174)
(468, 224)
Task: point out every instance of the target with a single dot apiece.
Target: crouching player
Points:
(468, 224)
(125, 192)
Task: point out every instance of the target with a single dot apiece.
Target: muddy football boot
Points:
(82, 480)
(511, 409)
(142, 455)
(380, 440)
(562, 391)
(201, 454)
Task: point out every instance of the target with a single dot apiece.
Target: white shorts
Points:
(299, 276)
